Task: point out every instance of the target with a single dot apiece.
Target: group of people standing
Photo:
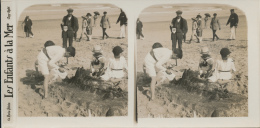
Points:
(197, 27)
(70, 26)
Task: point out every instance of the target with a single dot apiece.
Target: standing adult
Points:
(95, 17)
(233, 20)
(47, 59)
(215, 25)
(199, 28)
(69, 28)
(28, 26)
(154, 61)
(104, 23)
(89, 26)
(123, 23)
(139, 29)
(178, 28)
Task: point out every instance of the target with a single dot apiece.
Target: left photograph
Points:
(72, 61)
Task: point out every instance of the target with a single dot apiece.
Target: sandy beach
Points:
(65, 100)
(172, 101)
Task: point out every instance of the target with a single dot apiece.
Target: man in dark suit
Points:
(69, 28)
(178, 28)
(139, 29)
(233, 20)
(123, 23)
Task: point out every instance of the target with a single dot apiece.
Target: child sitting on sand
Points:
(205, 64)
(97, 65)
(117, 67)
(224, 68)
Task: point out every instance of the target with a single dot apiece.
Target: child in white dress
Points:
(117, 66)
(224, 68)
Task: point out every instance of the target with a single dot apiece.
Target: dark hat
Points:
(117, 50)
(104, 12)
(88, 14)
(215, 14)
(157, 45)
(48, 43)
(231, 9)
(179, 12)
(70, 10)
(224, 52)
(198, 16)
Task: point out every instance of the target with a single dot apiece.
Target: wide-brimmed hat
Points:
(97, 48)
(96, 13)
(214, 14)
(193, 18)
(204, 50)
(179, 12)
(104, 12)
(70, 10)
(117, 50)
(198, 16)
(88, 14)
(84, 17)
(224, 52)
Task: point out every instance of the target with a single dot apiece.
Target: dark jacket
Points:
(28, 23)
(183, 24)
(233, 20)
(139, 26)
(122, 18)
(74, 23)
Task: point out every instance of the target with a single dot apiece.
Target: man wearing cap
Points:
(47, 59)
(123, 22)
(214, 25)
(104, 23)
(69, 28)
(233, 20)
(89, 26)
(154, 61)
(178, 28)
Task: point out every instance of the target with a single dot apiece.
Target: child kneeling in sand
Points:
(205, 64)
(97, 65)
(224, 68)
(117, 67)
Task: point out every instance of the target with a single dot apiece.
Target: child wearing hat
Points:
(224, 67)
(117, 66)
(89, 26)
(205, 63)
(97, 65)
(194, 28)
(199, 28)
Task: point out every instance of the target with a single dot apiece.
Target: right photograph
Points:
(192, 61)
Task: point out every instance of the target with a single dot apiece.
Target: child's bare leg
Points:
(153, 86)
(45, 84)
